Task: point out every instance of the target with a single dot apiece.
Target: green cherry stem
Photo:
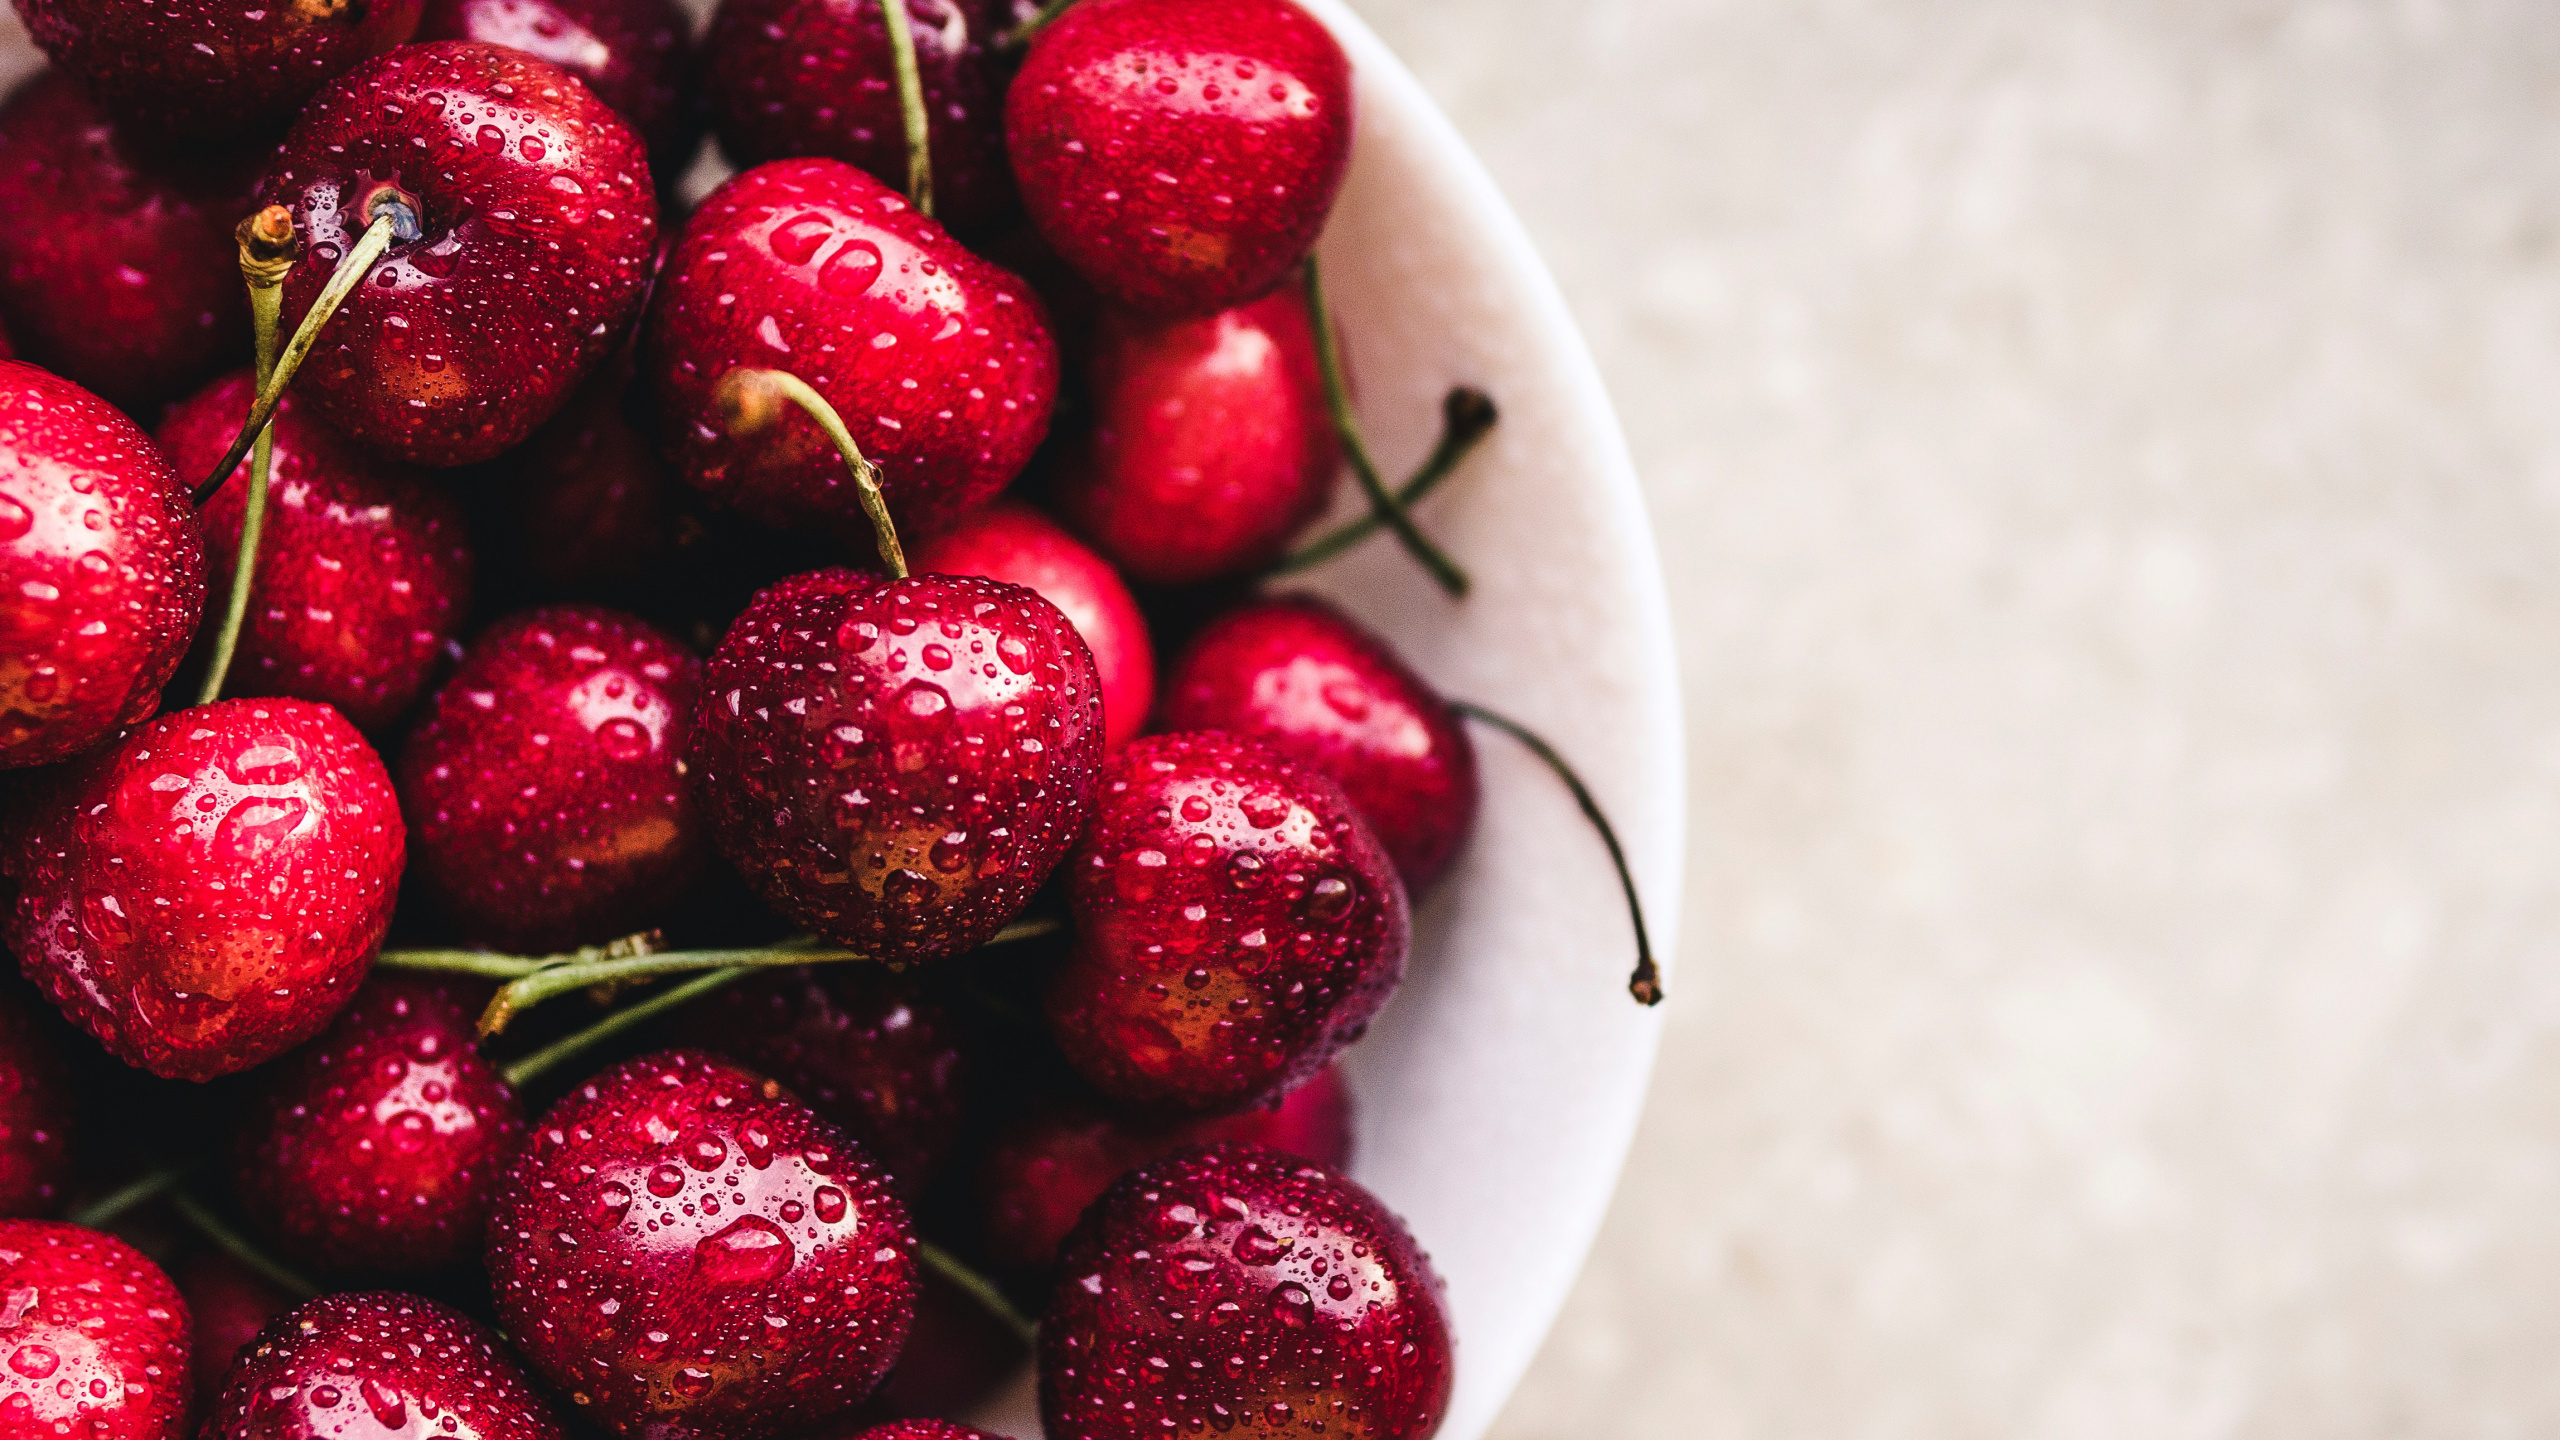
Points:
(214, 1228)
(1337, 399)
(1467, 415)
(1646, 983)
(104, 1211)
(1020, 35)
(525, 1071)
(751, 400)
(979, 1288)
(266, 254)
(902, 58)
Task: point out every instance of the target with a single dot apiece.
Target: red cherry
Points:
(897, 764)
(1182, 154)
(205, 893)
(1299, 674)
(1234, 1280)
(229, 1304)
(1236, 924)
(545, 788)
(956, 1356)
(924, 1430)
(193, 71)
(1012, 542)
(1210, 445)
(102, 569)
(940, 363)
(785, 78)
(364, 571)
(377, 1364)
(36, 1110)
(589, 506)
(634, 54)
(95, 1335)
(117, 266)
(526, 228)
(686, 1250)
(1047, 1166)
(375, 1148)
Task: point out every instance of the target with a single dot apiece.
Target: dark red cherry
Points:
(205, 893)
(785, 78)
(117, 266)
(956, 1356)
(102, 569)
(589, 506)
(372, 1366)
(685, 1250)
(364, 571)
(227, 1305)
(1237, 1281)
(633, 53)
(1301, 675)
(35, 1111)
(375, 1148)
(545, 788)
(1236, 924)
(1012, 542)
(923, 1430)
(197, 71)
(7, 352)
(1210, 444)
(939, 363)
(1182, 154)
(526, 228)
(865, 1047)
(897, 764)
(95, 1335)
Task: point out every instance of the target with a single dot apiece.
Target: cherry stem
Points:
(1020, 35)
(902, 59)
(1466, 417)
(1389, 511)
(530, 1068)
(752, 400)
(979, 1288)
(266, 255)
(102, 1212)
(1646, 983)
(214, 1228)
(351, 271)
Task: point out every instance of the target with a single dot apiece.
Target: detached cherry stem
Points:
(980, 1289)
(1387, 509)
(1646, 983)
(751, 401)
(1020, 35)
(266, 256)
(1466, 417)
(524, 1071)
(171, 1184)
(911, 108)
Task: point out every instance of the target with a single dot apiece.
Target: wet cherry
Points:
(359, 1366)
(95, 1337)
(36, 1111)
(193, 71)
(633, 54)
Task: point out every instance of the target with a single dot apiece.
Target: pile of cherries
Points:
(927, 960)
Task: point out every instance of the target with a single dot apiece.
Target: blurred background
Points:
(2107, 461)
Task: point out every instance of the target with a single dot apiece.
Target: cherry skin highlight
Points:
(36, 1110)
(102, 1332)
(205, 893)
(685, 1250)
(1210, 445)
(1181, 154)
(535, 227)
(1236, 924)
(632, 53)
(545, 788)
(359, 1366)
(364, 570)
(1237, 1281)
(375, 1148)
(1012, 542)
(227, 1305)
(117, 268)
(939, 363)
(199, 71)
(102, 569)
(1298, 674)
(897, 764)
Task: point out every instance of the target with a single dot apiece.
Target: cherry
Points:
(375, 1148)
(684, 1249)
(634, 54)
(545, 787)
(36, 1109)
(588, 505)
(205, 70)
(956, 1355)
(364, 572)
(785, 78)
(96, 1337)
(1012, 542)
(523, 228)
(1050, 1163)
(102, 569)
(205, 893)
(940, 363)
(1210, 445)
(116, 267)
(1236, 1282)
(897, 764)
(6, 351)
(380, 1364)
(1182, 154)
(1299, 674)
(923, 1430)
(864, 1047)
(228, 1303)
(1236, 924)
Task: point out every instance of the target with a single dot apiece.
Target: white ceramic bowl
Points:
(1499, 1089)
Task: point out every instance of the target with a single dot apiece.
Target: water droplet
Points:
(830, 1202)
(1263, 810)
(906, 887)
(1257, 1246)
(951, 853)
(1291, 1305)
(385, 1403)
(410, 1131)
(752, 1251)
(623, 738)
(613, 1201)
(1331, 898)
(706, 1152)
(665, 1181)
(34, 1361)
(1195, 808)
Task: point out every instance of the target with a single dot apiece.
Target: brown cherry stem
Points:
(1467, 415)
(266, 255)
(1337, 400)
(751, 400)
(981, 1289)
(1020, 35)
(902, 60)
(1646, 983)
